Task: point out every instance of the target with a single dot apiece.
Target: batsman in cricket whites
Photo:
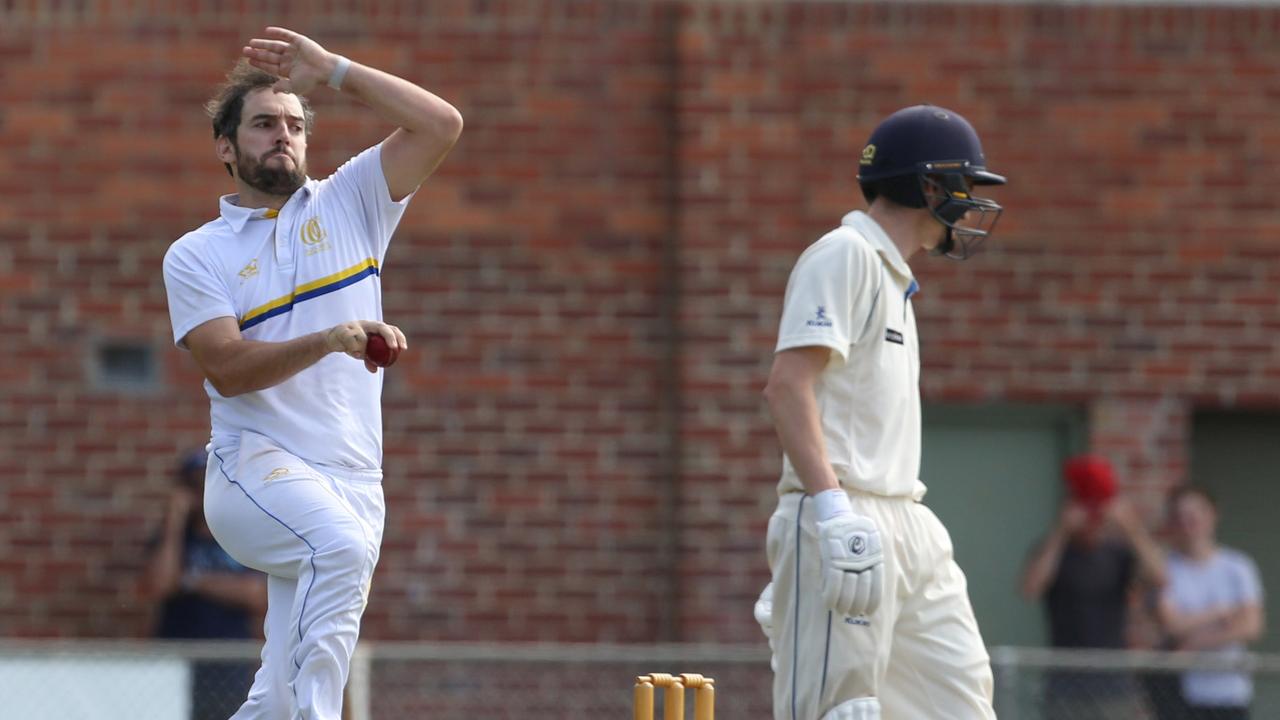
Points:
(867, 612)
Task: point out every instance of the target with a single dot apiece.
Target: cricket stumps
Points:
(673, 686)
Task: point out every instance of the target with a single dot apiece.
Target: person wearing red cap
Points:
(1084, 570)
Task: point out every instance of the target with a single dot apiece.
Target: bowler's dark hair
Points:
(227, 103)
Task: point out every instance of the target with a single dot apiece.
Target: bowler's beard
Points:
(280, 180)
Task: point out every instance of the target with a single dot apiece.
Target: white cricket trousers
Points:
(316, 533)
(920, 653)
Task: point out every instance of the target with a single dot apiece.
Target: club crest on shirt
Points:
(820, 318)
(314, 236)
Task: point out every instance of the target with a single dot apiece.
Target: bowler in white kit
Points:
(275, 299)
(867, 612)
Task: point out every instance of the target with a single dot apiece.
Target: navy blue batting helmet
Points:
(928, 156)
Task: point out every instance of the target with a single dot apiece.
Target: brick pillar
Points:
(1147, 439)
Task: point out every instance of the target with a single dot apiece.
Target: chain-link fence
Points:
(90, 680)
(552, 682)
(1052, 684)
(119, 680)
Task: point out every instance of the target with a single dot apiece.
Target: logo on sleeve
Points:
(893, 336)
(820, 318)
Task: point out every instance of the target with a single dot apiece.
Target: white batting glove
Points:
(852, 564)
(764, 615)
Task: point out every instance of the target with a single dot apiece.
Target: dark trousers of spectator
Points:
(219, 688)
(1075, 694)
(1217, 713)
(1164, 690)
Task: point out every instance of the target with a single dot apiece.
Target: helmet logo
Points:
(941, 115)
(868, 154)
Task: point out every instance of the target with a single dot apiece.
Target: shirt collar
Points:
(237, 217)
(871, 230)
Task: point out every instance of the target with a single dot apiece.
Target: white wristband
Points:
(832, 503)
(339, 73)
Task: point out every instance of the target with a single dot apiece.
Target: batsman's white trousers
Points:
(920, 653)
(316, 532)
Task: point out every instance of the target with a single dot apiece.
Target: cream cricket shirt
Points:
(313, 266)
(851, 292)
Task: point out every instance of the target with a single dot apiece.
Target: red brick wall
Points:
(576, 448)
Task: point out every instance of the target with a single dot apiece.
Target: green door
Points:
(994, 480)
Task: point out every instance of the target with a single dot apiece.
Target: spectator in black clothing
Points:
(204, 594)
(1085, 570)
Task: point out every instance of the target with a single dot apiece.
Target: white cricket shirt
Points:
(314, 265)
(851, 292)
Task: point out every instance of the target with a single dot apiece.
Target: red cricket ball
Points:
(379, 353)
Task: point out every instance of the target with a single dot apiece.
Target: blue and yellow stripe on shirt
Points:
(327, 284)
